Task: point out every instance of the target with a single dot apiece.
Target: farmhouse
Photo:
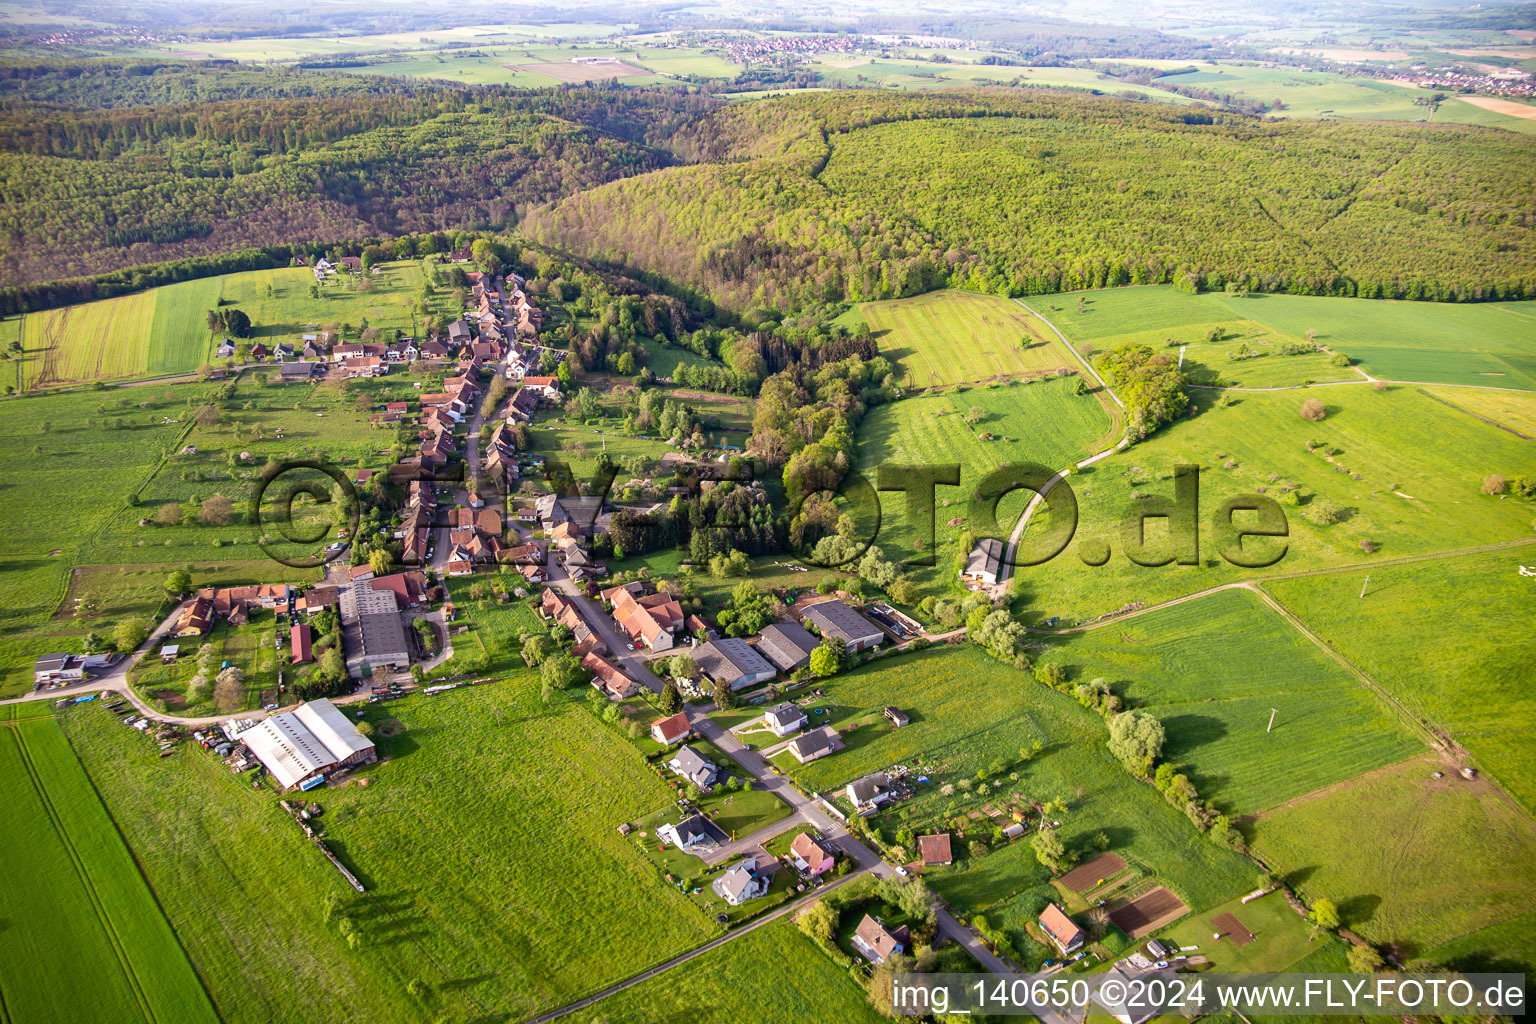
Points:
(787, 644)
(876, 944)
(1063, 931)
(609, 678)
(783, 719)
(810, 856)
(196, 618)
(811, 746)
(694, 767)
(835, 619)
(673, 729)
(934, 850)
(985, 562)
(303, 745)
(694, 834)
(651, 620)
(732, 662)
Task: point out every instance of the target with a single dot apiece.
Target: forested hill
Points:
(865, 195)
(89, 190)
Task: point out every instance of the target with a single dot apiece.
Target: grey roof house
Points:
(694, 834)
(785, 718)
(743, 882)
(694, 767)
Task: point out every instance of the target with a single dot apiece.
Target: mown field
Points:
(1176, 322)
(1212, 669)
(1411, 860)
(950, 337)
(1515, 410)
(1450, 639)
(773, 975)
(76, 906)
(164, 331)
(480, 814)
(1043, 422)
(1420, 467)
(1487, 344)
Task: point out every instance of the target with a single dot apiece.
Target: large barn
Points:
(301, 746)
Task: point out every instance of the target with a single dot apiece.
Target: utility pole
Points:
(1364, 585)
(1271, 726)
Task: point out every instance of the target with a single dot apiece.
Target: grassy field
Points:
(1451, 343)
(77, 906)
(1041, 421)
(1282, 937)
(1515, 410)
(494, 880)
(534, 66)
(1411, 860)
(1450, 639)
(969, 711)
(950, 337)
(1403, 470)
(163, 330)
(773, 975)
(1212, 669)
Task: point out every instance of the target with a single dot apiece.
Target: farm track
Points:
(119, 949)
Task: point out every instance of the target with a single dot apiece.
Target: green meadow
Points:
(1015, 421)
(1401, 471)
(77, 906)
(481, 812)
(1490, 344)
(1410, 860)
(951, 336)
(1450, 639)
(1213, 669)
(773, 975)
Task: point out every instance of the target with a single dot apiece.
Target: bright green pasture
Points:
(76, 906)
(1041, 421)
(179, 338)
(950, 336)
(1212, 669)
(1492, 343)
(1420, 465)
(1410, 860)
(495, 881)
(773, 975)
(1450, 639)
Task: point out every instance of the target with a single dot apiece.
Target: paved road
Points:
(601, 623)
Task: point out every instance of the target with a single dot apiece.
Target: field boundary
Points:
(88, 886)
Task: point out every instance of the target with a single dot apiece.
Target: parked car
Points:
(271, 707)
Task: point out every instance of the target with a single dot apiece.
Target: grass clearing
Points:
(96, 340)
(951, 336)
(1449, 639)
(1409, 451)
(773, 975)
(1409, 860)
(1212, 669)
(1488, 343)
(83, 894)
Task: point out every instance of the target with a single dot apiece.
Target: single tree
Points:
(128, 635)
(671, 698)
(178, 583)
(1313, 410)
(1136, 738)
(216, 511)
(1324, 914)
(1364, 959)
